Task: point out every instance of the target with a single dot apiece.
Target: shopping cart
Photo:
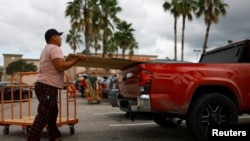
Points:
(20, 113)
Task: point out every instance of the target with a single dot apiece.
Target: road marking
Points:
(136, 124)
(109, 113)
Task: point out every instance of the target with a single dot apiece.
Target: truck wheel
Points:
(164, 121)
(210, 110)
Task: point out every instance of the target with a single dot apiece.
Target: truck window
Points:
(245, 53)
(232, 53)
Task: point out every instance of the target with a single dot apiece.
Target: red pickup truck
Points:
(215, 91)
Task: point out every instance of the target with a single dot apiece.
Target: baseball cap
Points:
(49, 33)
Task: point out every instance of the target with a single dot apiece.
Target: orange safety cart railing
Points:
(25, 118)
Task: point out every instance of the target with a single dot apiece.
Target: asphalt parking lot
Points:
(102, 122)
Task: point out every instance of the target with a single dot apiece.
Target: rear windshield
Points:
(228, 54)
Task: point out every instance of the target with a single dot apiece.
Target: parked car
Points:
(105, 86)
(113, 91)
(6, 89)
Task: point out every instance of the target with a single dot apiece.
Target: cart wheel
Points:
(26, 131)
(6, 130)
(72, 129)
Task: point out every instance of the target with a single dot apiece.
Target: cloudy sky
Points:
(23, 23)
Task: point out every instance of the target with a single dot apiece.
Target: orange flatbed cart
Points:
(11, 114)
(93, 93)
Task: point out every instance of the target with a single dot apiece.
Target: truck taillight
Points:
(144, 77)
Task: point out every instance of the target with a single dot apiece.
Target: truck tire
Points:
(211, 109)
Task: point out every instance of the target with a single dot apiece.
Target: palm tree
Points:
(89, 13)
(211, 9)
(74, 39)
(133, 45)
(96, 43)
(173, 7)
(73, 10)
(124, 36)
(109, 10)
(186, 9)
(96, 36)
(112, 47)
(80, 14)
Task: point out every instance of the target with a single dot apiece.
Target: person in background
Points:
(83, 85)
(50, 79)
(93, 79)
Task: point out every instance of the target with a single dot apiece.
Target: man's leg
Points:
(53, 131)
(41, 118)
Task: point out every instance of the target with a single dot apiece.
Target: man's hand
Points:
(81, 57)
(62, 65)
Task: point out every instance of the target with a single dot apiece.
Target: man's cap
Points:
(49, 33)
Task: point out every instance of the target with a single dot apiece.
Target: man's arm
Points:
(62, 65)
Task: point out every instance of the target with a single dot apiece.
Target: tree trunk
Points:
(182, 38)
(175, 39)
(206, 37)
(105, 36)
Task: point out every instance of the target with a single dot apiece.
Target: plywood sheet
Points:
(104, 62)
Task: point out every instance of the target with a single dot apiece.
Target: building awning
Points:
(104, 62)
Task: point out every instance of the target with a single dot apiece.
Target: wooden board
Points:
(102, 62)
